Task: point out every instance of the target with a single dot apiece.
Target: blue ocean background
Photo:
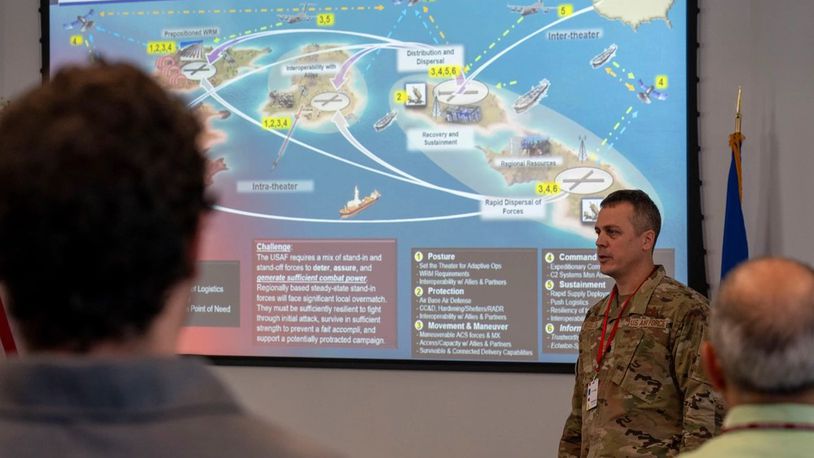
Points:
(654, 142)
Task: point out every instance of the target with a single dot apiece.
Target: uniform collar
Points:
(638, 305)
(762, 413)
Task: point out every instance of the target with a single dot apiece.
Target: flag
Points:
(735, 248)
(6, 338)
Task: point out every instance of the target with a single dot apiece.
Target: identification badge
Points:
(592, 394)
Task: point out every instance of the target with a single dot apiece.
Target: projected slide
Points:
(409, 179)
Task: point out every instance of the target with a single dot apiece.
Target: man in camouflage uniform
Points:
(646, 394)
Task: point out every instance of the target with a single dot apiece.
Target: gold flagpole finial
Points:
(738, 112)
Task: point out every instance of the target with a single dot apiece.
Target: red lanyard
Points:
(603, 348)
(764, 426)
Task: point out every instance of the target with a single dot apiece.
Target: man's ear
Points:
(712, 366)
(648, 240)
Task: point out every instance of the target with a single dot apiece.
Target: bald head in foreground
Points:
(761, 357)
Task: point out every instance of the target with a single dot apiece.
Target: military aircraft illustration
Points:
(299, 17)
(649, 93)
(82, 22)
(533, 8)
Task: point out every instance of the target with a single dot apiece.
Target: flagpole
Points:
(735, 141)
(738, 111)
(735, 245)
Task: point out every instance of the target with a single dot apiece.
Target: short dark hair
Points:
(101, 195)
(646, 215)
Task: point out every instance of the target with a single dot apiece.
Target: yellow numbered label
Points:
(161, 47)
(547, 188)
(662, 81)
(444, 71)
(77, 40)
(277, 122)
(326, 19)
(565, 9)
(400, 97)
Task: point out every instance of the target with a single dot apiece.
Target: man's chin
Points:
(606, 269)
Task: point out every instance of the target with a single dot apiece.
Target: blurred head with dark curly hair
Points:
(101, 199)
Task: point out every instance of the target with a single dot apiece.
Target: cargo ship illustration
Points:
(603, 57)
(385, 121)
(357, 205)
(527, 100)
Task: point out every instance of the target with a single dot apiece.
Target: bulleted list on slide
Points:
(571, 284)
(475, 304)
